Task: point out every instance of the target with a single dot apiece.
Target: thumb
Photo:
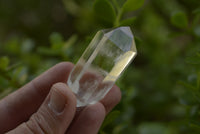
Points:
(53, 116)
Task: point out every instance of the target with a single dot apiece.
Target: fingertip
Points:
(64, 90)
(95, 112)
(112, 98)
(117, 92)
(89, 120)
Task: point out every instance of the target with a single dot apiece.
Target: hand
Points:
(47, 106)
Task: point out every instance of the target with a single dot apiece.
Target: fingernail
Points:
(57, 101)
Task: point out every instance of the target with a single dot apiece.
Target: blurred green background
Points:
(160, 89)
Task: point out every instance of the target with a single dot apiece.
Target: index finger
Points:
(20, 105)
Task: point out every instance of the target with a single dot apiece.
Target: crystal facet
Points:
(104, 60)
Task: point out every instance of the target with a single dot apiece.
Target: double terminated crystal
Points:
(106, 57)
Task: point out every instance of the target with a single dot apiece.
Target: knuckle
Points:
(37, 124)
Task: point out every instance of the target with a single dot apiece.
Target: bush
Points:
(160, 89)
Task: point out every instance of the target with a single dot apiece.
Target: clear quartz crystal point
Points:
(104, 60)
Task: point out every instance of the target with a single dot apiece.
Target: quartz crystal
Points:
(104, 60)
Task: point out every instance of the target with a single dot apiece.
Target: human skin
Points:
(46, 105)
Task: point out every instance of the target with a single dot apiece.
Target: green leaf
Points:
(190, 96)
(127, 22)
(4, 62)
(70, 42)
(14, 66)
(13, 46)
(48, 52)
(195, 22)
(5, 92)
(67, 47)
(198, 80)
(138, 40)
(72, 7)
(120, 3)
(20, 75)
(132, 5)
(195, 124)
(104, 11)
(196, 11)
(152, 128)
(194, 60)
(197, 27)
(179, 19)
(27, 46)
(56, 41)
(187, 85)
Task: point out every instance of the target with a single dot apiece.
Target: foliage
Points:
(160, 89)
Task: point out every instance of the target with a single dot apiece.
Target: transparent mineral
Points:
(104, 60)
